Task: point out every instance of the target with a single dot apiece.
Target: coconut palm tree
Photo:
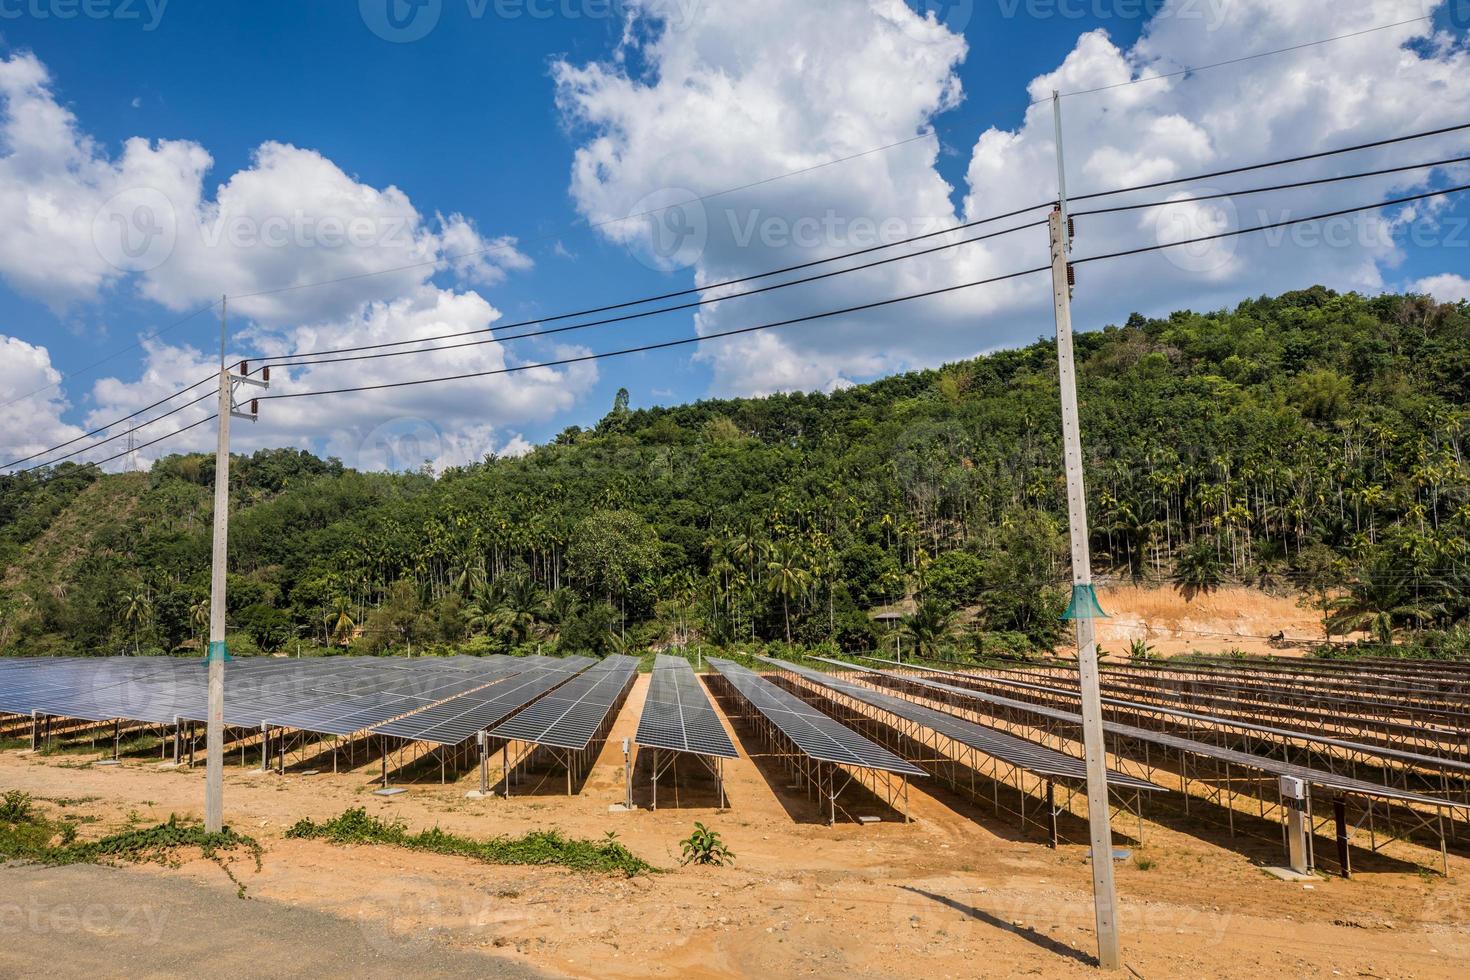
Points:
(199, 618)
(340, 623)
(788, 578)
(136, 609)
(930, 625)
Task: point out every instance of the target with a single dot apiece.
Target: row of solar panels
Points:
(1314, 777)
(677, 714)
(340, 696)
(1033, 758)
(819, 736)
(570, 716)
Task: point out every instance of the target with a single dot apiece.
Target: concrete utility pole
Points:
(214, 742)
(1084, 605)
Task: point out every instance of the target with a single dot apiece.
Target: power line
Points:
(870, 306)
(441, 260)
(825, 315)
(667, 343)
(700, 198)
(1374, 144)
(957, 228)
(118, 435)
(285, 359)
(647, 313)
(143, 445)
(1236, 61)
(1275, 187)
(103, 428)
(1275, 224)
(800, 266)
(110, 357)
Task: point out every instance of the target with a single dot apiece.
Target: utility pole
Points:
(1084, 607)
(214, 790)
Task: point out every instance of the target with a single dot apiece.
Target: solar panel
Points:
(1036, 759)
(819, 736)
(340, 695)
(459, 718)
(570, 716)
(1315, 777)
(677, 714)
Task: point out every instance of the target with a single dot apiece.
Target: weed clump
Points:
(540, 847)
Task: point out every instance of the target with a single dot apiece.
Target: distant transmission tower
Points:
(131, 459)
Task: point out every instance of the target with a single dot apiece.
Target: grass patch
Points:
(540, 847)
(26, 835)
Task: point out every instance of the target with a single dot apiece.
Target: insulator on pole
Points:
(1071, 229)
(245, 367)
(1071, 275)
(265, 373)
(255, 406)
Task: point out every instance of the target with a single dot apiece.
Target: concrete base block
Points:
(1286, 874)
(390, 791)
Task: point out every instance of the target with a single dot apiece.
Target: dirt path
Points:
(90, 922)
(957, 893)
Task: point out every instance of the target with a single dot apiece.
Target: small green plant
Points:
(541, 847)
(704, 846)
(1139, 651)
(26, 835)
(15, 806)
(1143, 863)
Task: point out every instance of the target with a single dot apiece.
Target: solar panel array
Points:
(1315, 777)
(571, 715)
(459, 718)
(1036, 759)
(677, 714)
(819, 736)
(332, 696)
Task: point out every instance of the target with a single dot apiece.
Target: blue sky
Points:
(479, 124)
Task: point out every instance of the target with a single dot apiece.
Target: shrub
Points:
(704, 846)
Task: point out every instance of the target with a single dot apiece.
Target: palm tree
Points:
(931, 623)
(1199, 569)
(340, 623)
(136, 610)
(1376, 603)
(199, 614)
(788, 579)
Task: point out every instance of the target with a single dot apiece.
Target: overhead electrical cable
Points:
(1236, 61)
(113, 356)
(289, 359)
(716, 194)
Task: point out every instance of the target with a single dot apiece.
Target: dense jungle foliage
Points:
(1311, 442)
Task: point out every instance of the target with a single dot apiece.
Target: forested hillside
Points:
(1311, 441)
